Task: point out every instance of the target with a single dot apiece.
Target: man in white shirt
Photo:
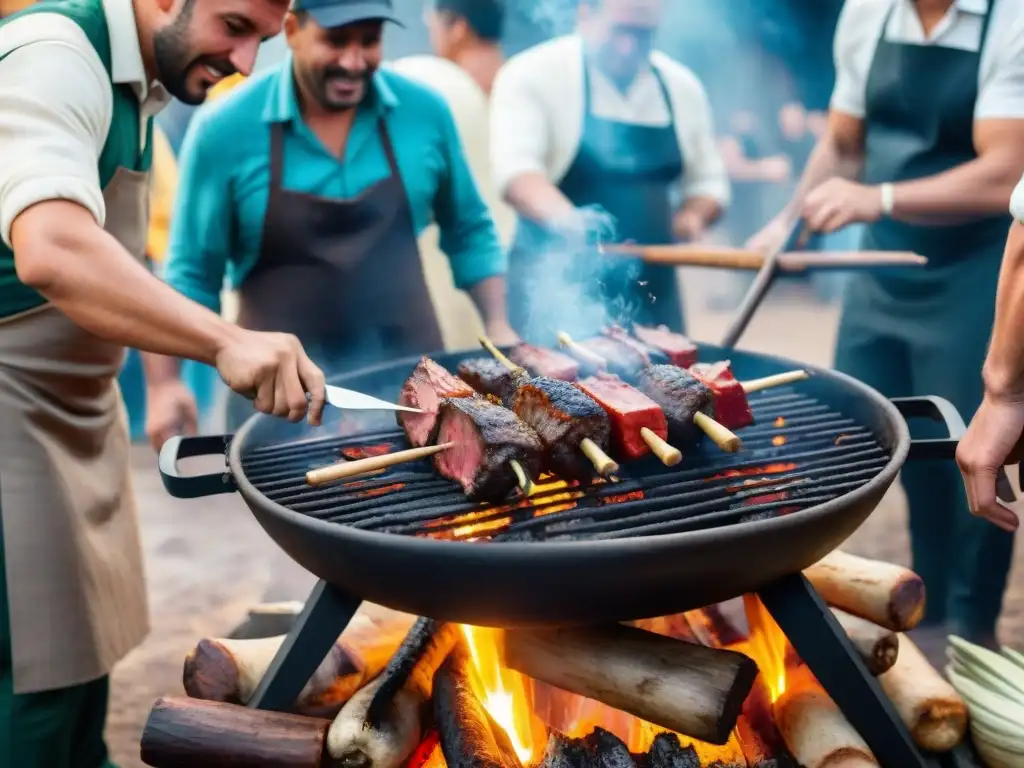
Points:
(466, 38)
(924, 146)
(599, 119)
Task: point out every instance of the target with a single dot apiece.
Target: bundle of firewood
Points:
(394, 682)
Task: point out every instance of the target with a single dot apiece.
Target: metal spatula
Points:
(356, 401)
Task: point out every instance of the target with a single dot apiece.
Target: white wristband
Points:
(888, 198)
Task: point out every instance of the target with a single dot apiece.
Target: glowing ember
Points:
(355, 453)
(779, 422)
(618, 498)
(779, 440)
(767, 469)
(766, 645)
(504, 693)
(383, 490)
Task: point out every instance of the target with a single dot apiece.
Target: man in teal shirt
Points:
(307, 188)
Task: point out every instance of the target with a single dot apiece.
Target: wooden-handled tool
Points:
(346, 469)
(682, 255)
(603, 463)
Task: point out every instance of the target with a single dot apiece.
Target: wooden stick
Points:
(469, 737)
(497, 354)
(877, 646)
(685, 688)
(741, 258)
(889, 595)
(346, 469)
(816, 732)
(667, 454)
(603, 463)
(189, 733)
(525, 481)
(778, 380)
(582, 353)
(758, 735)
(720, 435)
(928, 705)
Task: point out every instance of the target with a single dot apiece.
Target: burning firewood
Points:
(758, 735)
(686, 688)
(816, 732)
(469, 736)
(227, 670)
(667, 752)
(381, 725)
(928, 705)
(889, 595)
(877, 646)
(189, 733)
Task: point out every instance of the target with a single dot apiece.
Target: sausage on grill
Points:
(681, 397)
(562, 416)
(489, 377)
(488, 437)
(428, 385)
(545, 362)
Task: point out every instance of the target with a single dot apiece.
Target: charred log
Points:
(667, 752)
(563, 752)
(469, 737)
(758, 735)
(607, 750)
(877, 646)
(189, 733)
(685, 688)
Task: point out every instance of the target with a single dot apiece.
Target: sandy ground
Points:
(208, 560)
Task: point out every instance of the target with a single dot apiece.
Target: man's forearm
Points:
(536, 198)
(826, 161)
(977, 188)
(707, 209)
(1004, 366)
(490, 299)
(89, 276)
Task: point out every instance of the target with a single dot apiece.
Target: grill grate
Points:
(800, 453)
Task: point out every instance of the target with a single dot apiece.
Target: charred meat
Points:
(562, 416)
(649, 353)
(491, 378)
(731, 407)
(545, 362)
(487, 438)
(679, 349)
(428, 385)
(620, 359)
(681, 397)
(629, 410)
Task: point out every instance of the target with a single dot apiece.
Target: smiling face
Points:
(335, 66)
(204, 41)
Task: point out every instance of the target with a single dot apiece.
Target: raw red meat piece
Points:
(545, 362)
(679, 349)
(428, 385)
(731, 407)
(629, 410)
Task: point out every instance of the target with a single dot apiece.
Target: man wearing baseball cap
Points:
(308, 186)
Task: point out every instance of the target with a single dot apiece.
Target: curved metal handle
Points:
(936, 409)
(195, 486)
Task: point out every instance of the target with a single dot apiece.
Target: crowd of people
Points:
(330, 206)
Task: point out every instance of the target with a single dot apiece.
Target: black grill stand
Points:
(794, 604)
(800, 612)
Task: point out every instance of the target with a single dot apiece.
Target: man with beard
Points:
(602, 120)
(79, 83)
(308, 185)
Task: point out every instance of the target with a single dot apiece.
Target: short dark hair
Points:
(485, 17)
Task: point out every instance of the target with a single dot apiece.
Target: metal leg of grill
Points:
(823, 645)
(325, 616)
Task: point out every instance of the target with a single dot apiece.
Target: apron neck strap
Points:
(662, 86)
(277, 150)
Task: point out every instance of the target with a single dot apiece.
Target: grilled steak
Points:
(545, 362)
(489, 377)
(731, 407)
(680, 396)
(621, 359)
(428, 385)
(679, 349)
(489, 437)
(562, 415)
(629, 410)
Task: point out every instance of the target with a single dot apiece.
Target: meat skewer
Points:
(346, 469)
(566, 419)
(638, 424)
(688, 404)
(731, 406)
(539, 361)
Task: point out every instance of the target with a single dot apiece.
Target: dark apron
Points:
(344, 276)
(926, 331)
(627, 170)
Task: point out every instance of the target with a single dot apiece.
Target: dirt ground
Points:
(208, 561)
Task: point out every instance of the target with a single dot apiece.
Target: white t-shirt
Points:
(537, 113)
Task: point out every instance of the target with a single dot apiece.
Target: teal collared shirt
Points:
(224, 178)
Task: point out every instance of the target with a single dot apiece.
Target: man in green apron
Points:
(928, 117)
(79, 83)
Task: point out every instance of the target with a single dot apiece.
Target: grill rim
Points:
(851, 503)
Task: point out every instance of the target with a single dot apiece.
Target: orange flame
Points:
(766, 645)
(779, 440)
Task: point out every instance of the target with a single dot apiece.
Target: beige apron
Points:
(72, 549)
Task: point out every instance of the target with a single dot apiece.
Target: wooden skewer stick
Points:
(720, 435)
(346, 469)
(667, 454)
(603, 463)
(525, 481)
(583, 353)
(778, 380)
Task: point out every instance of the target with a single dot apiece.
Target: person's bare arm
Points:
(839, 153)
(536, 198)
(1004, 366)
(976, 188)
(64, 254)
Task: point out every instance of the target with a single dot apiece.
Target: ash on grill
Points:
(799, 454)
(678, 691)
